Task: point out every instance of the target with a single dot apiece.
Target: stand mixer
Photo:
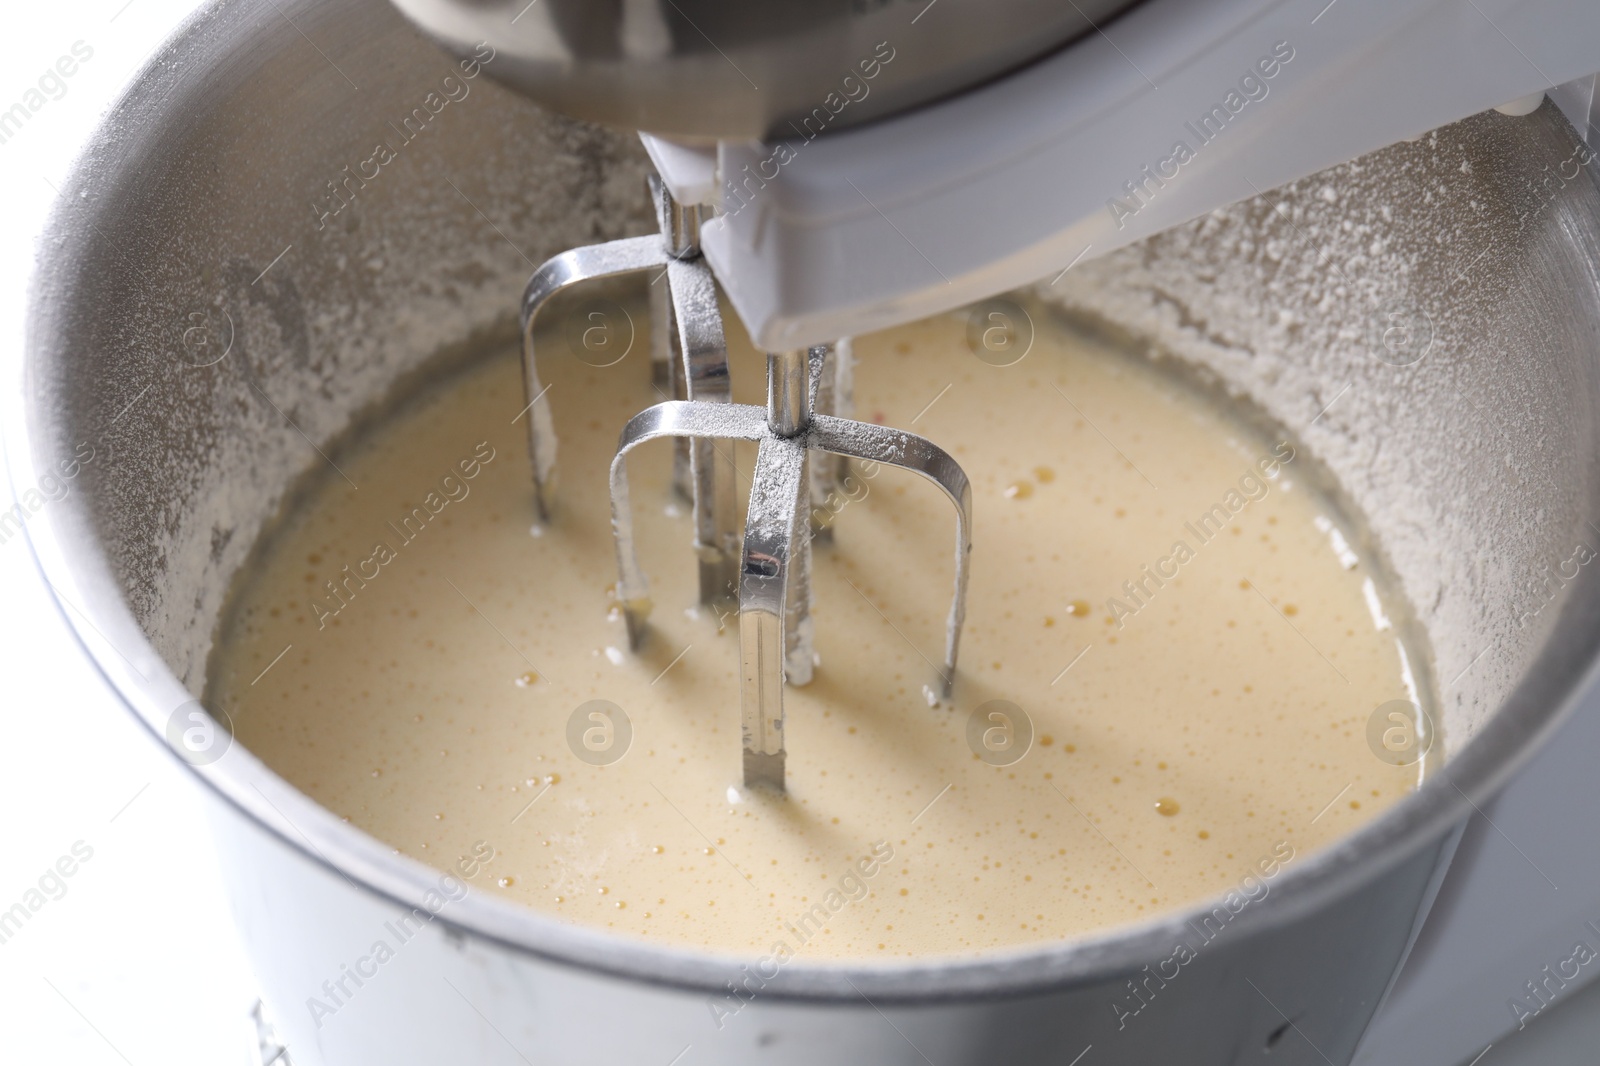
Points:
(966, 183)
(956, 189)
(992, 165)
(829, 215)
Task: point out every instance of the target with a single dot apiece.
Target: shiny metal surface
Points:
(563, 271)
(792, 381)
(680, 225)
(792, 378)
(789, 391)
(1476, 467)
(896, 447)
(687, 315)
(696, 321)
(679, 419)
(704, 69)
(772, 577)
(774, 580)
(833, 393)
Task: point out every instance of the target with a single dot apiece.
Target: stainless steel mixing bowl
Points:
(236, 276)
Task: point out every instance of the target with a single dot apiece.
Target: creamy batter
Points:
(1196, 645)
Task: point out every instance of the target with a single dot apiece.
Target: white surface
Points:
(689, 171)
(137, 962)
(1517, 898)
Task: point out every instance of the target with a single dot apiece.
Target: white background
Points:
(137, 963)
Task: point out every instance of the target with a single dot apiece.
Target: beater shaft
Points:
(686, 332)
(711, 472)
(773, 536)
(789, 391)
(792, 378)
(680, 234)
(692, 323)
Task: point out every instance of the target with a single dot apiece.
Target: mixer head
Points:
(879, 161)
(802, 440)
(709, 69)
(945, 204)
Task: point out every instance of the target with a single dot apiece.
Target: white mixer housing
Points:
(1175, 109)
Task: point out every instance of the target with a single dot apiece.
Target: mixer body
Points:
(828, 229)
(708, 69)
(1473, 459)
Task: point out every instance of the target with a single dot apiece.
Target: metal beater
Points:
(808, 395)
